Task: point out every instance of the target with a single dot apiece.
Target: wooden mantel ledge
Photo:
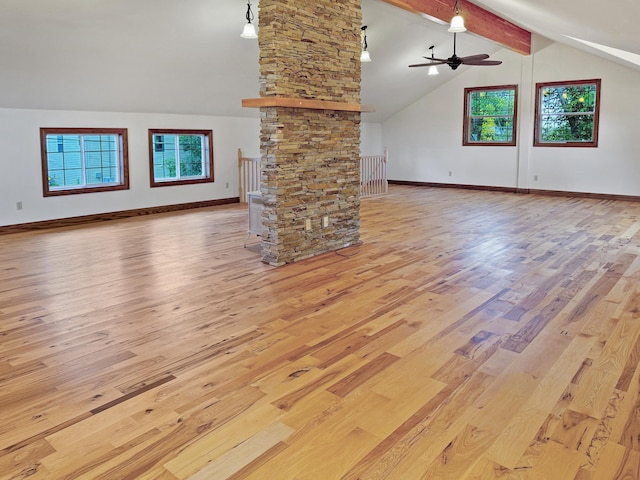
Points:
(305, 103)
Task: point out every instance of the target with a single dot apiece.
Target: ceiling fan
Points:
(454, 61)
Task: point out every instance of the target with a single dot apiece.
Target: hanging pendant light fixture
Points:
(249, 30)
(457, 22)
(433, 70)
(364, 55)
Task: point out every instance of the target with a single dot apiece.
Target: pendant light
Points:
(364, 55)
(249, 30)
(433, 70)
(457, 22)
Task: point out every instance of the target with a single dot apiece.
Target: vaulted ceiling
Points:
(187, 57)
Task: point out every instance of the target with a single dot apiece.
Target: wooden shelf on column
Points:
(305, 103)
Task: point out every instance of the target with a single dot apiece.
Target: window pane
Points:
(567, 113)
(180, 156)
(93, 159)
(492, 102)
(76, 161)
(94, 175)
(71, 160)
(490, 115)
(567, 128)
(164, 160)
(72, 177)
(66, 167)
(191, 155)
(70, 143)
(491, 129)
(166, 168)
(55, 160)
(575, 98)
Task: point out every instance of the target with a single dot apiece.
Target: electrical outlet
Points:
(325, 222)
(18, 205)
(535, 178)
(449, 172)
(307, 224)
(226, 185)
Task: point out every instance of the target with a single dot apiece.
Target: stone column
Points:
(309, 50)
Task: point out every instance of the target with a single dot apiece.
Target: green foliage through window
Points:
(567, 112)
(490, 115)
(180, 156)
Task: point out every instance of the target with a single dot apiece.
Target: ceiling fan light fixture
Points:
(364, 55)
(457, 24)
(249, 30)
(433, 70)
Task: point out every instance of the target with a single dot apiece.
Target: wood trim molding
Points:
(305, 103)
(103, 217)
(524, 191)
(595, 196)
(477, 20)
(453, 185)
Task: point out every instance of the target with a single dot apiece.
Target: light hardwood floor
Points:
(473, 335)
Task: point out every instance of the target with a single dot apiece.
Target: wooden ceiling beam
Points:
(476, 19)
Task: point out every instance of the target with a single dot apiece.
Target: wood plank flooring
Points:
(473, 335)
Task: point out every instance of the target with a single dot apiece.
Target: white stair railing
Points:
(373, 175)
(249, 175)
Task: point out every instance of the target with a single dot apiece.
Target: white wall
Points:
(613, 167)
(21, 163)
(425, 139)
(371, 138)
(21, 179)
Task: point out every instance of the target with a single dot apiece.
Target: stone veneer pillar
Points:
(309, 50)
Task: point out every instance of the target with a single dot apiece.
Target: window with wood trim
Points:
(490, 115)
(180, 157)
(83, 160)
(567, 114)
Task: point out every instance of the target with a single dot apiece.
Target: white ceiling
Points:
(187, 57)
(610, 23)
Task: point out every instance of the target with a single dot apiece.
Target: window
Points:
(490, 115)
(179, 157)
(567, 114)
(83, 160)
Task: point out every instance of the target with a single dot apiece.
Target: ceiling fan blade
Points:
(473, 58)
(428, 64)
(444, 60)
(484, 62)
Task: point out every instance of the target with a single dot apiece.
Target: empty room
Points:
(289, 239)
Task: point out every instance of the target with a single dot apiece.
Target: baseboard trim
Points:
(453, 185)
(554, 193)
(596, 196)
(104, 217)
